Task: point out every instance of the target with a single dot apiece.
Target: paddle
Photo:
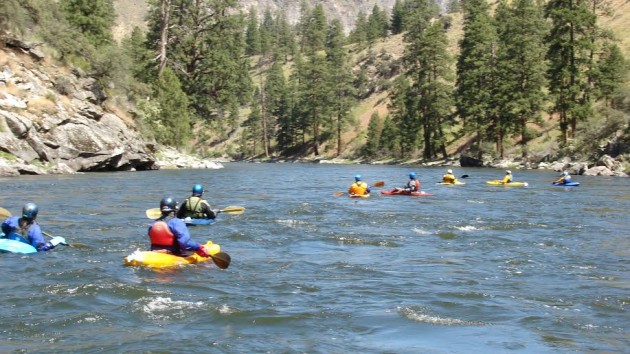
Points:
(155, 213)
(5, 214)
(464, 176)
(376, 184)
(221, 259)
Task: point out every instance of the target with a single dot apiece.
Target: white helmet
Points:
(508, 172)
(449, 171)
(565, 173)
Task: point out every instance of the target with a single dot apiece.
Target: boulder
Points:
(467, 161)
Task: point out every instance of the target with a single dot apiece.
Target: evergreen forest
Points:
(481, 78)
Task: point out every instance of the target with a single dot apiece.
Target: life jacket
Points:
(414, 185)
(448, 178)
(194, 207)
(358, 188)
(160, 234)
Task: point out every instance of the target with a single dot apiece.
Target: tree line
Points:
(289, 89)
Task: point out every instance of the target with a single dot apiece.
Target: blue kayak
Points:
(197, 222)
(570, 184)
(15, 246)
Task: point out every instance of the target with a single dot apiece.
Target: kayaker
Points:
(358, 187)
(449, 177)
(26, 230)
(170, 234)
(508, 177)
(195, 207)
(564, 179)
(413, 185)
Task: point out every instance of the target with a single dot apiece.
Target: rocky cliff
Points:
(53, 120)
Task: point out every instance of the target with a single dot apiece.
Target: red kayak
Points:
(411, 194)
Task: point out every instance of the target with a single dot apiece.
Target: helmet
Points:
(449, 171)
(197, 190)
(508, 172)
(30, 210)
(168, 205)
(357, 178)
(565, 173)
(412, 175)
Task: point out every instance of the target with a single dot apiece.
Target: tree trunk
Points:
(165, 11)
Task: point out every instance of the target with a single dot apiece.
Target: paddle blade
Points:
(221, 259)
(4, 213)
(338, 194)
(153, 213)
(234, 210)
(379, 184)
(464, 176)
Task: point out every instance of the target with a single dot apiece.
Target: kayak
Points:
(497, 182)
(155, 259)
(15, 246)
(458, 183)
(570, 184)
(411, 194)
(358, 195)
(195, 222)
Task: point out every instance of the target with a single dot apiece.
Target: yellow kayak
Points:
(153, 259)
(498, 182)
(457, 183)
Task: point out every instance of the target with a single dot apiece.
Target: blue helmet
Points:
(30, 210)
(357, 178)
(168, 204)
(197, 190)
(412, 175)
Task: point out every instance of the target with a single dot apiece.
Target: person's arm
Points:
(37, 240)
(182, 235)
(207, 210)
(181, 212)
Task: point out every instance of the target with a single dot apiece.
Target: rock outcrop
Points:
(54, 121)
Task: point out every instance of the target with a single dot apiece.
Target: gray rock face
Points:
(50, 128)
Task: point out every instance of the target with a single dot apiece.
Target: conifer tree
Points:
(371, 147)
(94, 18)
(611, 71)
(569, 56)
(252, 34)
(172, 124)
(343, 93)
(398, 13)
(476, 70)
(521, 69)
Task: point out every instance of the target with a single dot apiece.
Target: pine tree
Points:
(398, 13)
(343, 93)
(611, 71)
(476, 70)
(371, 147)
(521, 69)
(94, 18)
(252, 34)
(569, 56)
(172, 125)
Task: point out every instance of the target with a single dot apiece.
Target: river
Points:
(475, 268)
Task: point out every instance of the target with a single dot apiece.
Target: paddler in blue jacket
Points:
(25, 229)
(170, 234)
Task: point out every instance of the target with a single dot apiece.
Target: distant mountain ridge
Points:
(131, 13)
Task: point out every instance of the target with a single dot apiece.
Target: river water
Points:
(475, 268)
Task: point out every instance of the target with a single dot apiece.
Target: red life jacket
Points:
(161, 235)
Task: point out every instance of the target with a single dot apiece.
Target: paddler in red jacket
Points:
(170, 234)
(412, 186)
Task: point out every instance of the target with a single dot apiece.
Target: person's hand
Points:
(202, 251)
(58, 240)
